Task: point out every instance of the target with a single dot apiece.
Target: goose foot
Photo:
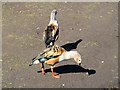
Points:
(56, 76)
(43, 72)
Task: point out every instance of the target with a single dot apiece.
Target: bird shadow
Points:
(71, 69)
(70, 46)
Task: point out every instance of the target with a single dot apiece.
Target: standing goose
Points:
(55, 55)
(51, 33)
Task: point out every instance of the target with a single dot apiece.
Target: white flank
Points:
(36, 62)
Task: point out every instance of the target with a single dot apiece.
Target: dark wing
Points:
(48, 35)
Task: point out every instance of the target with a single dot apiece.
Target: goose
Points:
(51, 33)
(55, 55)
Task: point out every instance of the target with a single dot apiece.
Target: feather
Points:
(49, 55)
(51, 33)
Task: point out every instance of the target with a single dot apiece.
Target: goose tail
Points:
(34, 62)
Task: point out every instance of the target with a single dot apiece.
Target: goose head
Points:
(54, 12)
(71, 55)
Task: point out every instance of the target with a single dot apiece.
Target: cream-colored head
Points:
(71, 54)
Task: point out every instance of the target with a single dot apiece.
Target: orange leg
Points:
(55, 76)
(43, 72)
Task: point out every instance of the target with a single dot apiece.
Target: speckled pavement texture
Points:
(96, 24)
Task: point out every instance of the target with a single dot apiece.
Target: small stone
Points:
(68, 42)
(115, 57)
(10, 83)
(20, 11)
(31, 44)
(101, 16)
(102, 61)
(112, 10)
(80, 29)
(38, 27)
(108, 13)
(112, 70)
(87, 73)
(0, 60)
(63, 84)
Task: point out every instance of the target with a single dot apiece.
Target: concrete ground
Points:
(95, 24)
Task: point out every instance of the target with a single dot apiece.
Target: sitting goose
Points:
(51, 33)
(55, 55)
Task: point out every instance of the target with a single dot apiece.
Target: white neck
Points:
(53, 19)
